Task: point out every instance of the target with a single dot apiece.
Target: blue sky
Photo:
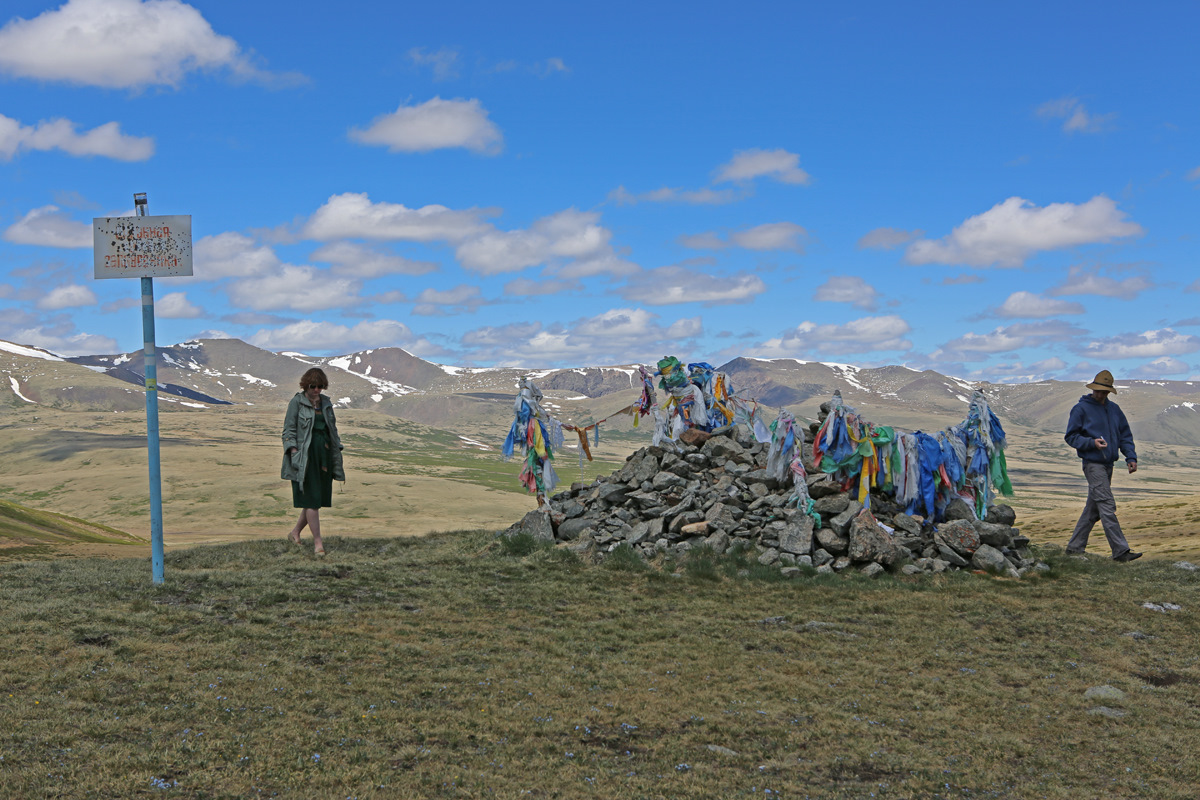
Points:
(1001, 193)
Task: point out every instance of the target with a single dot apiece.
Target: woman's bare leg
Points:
(300, 523)
(314, 525)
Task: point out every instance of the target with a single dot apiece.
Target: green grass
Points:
(454, 666)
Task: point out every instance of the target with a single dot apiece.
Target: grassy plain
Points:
(450, 666)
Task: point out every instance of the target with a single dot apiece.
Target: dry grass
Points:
(448, 667)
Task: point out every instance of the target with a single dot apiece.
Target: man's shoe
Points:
(1128, 555)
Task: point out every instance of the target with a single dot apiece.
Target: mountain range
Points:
(209, 373)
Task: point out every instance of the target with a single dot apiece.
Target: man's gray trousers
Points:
(1100, 507)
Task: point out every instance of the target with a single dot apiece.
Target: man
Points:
(1097, 429)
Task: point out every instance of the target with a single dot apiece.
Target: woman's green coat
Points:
(297, 433)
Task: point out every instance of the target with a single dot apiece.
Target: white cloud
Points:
(294, 288)
(1006, 339)
(1046, 369)
(354, 216)
(887, 238)
(443, 62)
(865, 335)
(754, 163)
(319, 336)
(1148, 344)
(1011, 231)
(1084, 280)
(568, 234)
(357, 261)
(1161, 367)
(1076, 116)
(435, 302)
(121, 44)
(848, 289)
(618, 336)
(232, 255)
(526, 287)
(60, 134)
(553, 65)
(771, 236)
(48, 227)
(434, 125)
(674, 284)
(78, 344)
(70, 296)
(1030, 305)
(176, 306)
(703, 196)
(1194, 175)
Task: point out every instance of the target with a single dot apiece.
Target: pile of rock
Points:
(714, 491)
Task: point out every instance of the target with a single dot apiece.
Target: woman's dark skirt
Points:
(316, 491)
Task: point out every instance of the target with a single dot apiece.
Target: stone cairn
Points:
(713, 490)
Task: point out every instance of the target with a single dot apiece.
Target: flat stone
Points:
(824, 569)
(768, 556)
(989, 558)
(722, 751)
(872, 570)
(904, 522)
(949, 557)
(841, 523)
(1105, 694)
(695, 528)
(832, 543)
(996, 535)
(959, 535)
(719, 542)
(911, 569)
(572, 528)
(831, 505)
(666, 480)
(694, 437)
(797, 536)
(718, 448)
(821, 485)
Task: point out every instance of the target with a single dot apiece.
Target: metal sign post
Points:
(146, 247)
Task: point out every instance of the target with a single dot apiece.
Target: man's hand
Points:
(1100, 443)
(1132, 466)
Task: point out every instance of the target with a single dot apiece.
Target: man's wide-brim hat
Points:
(1103, 382)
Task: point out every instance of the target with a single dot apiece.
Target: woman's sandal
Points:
(320, 551)
(294, 540)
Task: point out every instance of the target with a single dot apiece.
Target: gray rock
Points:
(723, 515)
(572, 509)
(797, 536)
(832, 543)
(959, 535)
(760, 477)
(1185, 565)
(841, 523)
(719, 542)
(1001, 515)
(937, 565)
(666, 480)
(644, 530)
(824, 569)
(958, 509)
(872, 570)
(585, 547)
(989, 558)
(1105, 711)
(821, 558)
(572, 528)
(831, 505)
(719, 448)
(911, 569)
(950, 557)
(787, 559)
(722, 751)
(821, 485)
(804, 561)
(536, 524)
(841, 562)
(903, 522)
(1104, 694)
(768, 556)
(997, 536)
(790, 572)
(869, 542)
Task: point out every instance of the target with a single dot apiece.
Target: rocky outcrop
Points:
(713, 491)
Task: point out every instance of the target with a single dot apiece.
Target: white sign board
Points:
(142, 247)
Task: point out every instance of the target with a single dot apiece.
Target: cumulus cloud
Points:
(294, 288)
(525, 287)
(702, 196)
(1030, 305)
(617, 336)
(864, 335)
(1006, 339)
(848, 289)
(1017, 372)
(436, 124)
(357, 261)
(1010, 232)
(1085, 280)
(567, 235)
(321, 336)
(1075, 115)
(60, 134)
(887, 239)
(232, 255)
(49, 227)
(1160, 368)
(176, 306)
(1147, 344)
(64, 344)
(436, 302)
(122, 44)
(770, 236)
(754, 163)
(675, 284)
(354, 216)
(70, 296)
(443, 61)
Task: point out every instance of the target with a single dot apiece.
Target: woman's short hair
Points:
(314, 376)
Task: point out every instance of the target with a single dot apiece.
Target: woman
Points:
(312, 454)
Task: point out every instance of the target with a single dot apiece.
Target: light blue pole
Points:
(156, 526)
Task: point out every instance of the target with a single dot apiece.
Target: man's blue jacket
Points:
(1091, 420)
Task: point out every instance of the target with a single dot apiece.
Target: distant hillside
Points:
(25, 532)
(200, 374)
